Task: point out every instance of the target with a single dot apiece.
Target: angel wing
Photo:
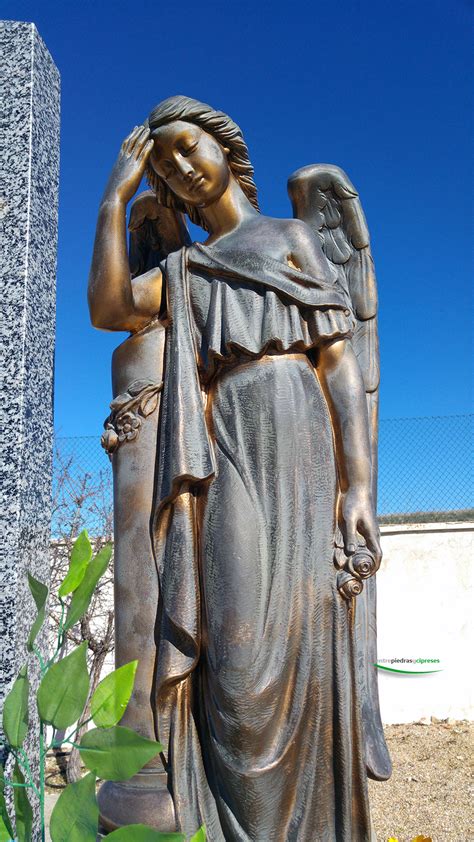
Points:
(324, 198)
(155, 232)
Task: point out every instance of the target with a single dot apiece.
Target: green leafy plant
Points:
(108, 751)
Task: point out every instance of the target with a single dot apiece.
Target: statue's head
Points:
(196, 151)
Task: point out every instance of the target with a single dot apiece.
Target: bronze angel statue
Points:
(255, 356)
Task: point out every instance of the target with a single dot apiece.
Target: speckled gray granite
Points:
(29, 118)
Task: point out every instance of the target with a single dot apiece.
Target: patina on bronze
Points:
(243, 436)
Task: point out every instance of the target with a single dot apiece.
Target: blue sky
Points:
(379, 88)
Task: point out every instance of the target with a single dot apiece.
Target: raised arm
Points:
(114, 303)
(341, 381)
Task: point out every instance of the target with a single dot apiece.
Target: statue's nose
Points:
(185, 168)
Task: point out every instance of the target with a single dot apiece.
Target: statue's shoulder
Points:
(295, 234)
(292, 230)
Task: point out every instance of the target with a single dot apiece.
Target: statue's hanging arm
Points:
(342, 384)
(115, 301)
(323, 196)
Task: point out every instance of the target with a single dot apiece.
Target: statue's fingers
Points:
(130, 140)
(127, 139)
(124, 143)
(145, 150)
(372, 538)
(141, 143)
(349, 533)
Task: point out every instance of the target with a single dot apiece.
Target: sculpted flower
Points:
(109, 439)
(127, 426)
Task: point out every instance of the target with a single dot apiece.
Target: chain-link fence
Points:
(426, 473)
(426, 469)
(82, 489)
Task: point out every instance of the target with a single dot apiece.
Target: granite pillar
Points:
(28, 237)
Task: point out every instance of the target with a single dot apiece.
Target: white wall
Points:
(424, 609)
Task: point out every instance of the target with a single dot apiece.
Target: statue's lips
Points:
(196, 182)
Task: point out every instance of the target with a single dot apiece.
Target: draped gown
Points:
(257, 697)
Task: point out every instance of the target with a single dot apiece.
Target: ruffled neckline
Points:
(274, 274)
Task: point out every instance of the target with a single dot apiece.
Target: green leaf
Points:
(200, 836)
(63, 691)
(15, 710)
(112, 695)
(39, 593)
(82, 596)
(75, 817)
(142, 833)
(80, 557)
(23, 811)
(5, 835)
(116, 754)
(5, 824)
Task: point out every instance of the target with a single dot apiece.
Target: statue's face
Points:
(191, 162)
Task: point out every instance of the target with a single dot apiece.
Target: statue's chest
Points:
(215, 300)
(267, 240)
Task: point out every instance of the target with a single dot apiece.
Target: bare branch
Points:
(78, 498)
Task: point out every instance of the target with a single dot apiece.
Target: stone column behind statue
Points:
(28, 235)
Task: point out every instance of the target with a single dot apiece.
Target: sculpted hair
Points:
(222, 128)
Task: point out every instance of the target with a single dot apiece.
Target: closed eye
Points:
(189, 149)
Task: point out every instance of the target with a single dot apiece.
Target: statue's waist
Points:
(271, 357)
(218, 364)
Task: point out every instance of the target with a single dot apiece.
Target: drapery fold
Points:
(304, 311)
(256, 692)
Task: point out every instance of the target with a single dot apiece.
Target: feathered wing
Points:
(324, 198)
(155, 232)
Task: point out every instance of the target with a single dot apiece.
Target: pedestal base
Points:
(144, 799)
